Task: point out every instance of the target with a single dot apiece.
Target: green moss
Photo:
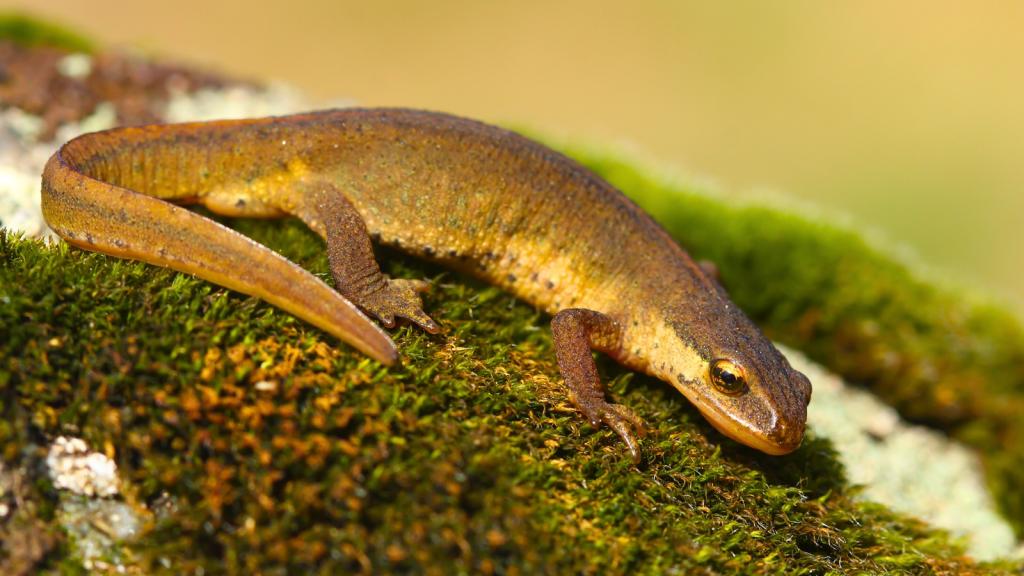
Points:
(937, 354)
(30, 31)
(464, 459)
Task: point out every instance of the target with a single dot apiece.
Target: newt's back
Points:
(492, 203)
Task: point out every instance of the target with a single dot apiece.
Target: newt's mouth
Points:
(782, 438)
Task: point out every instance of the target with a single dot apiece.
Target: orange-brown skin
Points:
(471, 196)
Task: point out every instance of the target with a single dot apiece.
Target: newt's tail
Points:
(103, 217)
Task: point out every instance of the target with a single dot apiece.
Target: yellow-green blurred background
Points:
(907, 115)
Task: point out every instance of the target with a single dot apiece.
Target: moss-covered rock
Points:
(282, 450)
(259, 445)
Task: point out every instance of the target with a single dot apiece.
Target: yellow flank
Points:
(258, 198)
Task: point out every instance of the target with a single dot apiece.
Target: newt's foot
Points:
(400, 298)
(575, 332)
(618, 418)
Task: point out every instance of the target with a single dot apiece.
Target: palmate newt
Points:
(470, 196)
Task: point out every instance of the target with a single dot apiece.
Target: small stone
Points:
(75, 468)
(266, 386)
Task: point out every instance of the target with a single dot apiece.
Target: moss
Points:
(284, 451)
(940, 356)
(30, 31)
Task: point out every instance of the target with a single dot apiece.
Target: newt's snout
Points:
(788, 431)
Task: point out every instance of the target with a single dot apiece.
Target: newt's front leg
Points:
(575, 332)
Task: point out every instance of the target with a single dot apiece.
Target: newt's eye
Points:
(727, 376)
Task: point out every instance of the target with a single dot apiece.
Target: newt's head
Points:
(733, 374)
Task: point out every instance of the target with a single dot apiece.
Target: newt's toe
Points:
(400, 298)
(619, 418)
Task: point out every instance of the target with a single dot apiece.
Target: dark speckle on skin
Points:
(428, 250)
(511, 277)
(550, 285)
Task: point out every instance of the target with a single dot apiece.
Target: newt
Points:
(470, 196)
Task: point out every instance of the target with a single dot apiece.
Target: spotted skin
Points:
(449, 190)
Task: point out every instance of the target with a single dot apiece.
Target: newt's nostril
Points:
(781, 429)
(804, 384)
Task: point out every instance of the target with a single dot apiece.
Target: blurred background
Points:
(908, 116)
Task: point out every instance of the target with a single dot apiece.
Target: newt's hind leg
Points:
(358, 277)
(575, 332)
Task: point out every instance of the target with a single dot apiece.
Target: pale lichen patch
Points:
(74, 467)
